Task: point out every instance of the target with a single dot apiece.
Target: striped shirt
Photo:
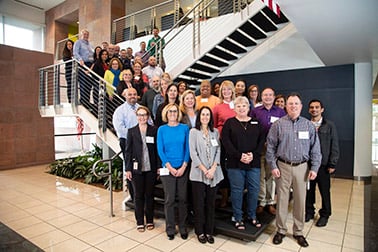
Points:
(293, 141)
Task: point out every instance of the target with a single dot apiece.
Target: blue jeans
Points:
(240, 179)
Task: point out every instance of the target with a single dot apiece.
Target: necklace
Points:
(244, 125)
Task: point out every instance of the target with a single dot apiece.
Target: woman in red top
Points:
(221, 113)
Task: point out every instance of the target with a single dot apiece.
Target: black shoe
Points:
(210, 239)
(322, 222)
(201, 238)
(171, 237)
(184, 236)
(277, 239)
(309, 217)
(301, 240)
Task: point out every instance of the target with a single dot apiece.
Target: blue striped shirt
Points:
(294, 141)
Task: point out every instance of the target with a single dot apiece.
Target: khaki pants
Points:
(295, 177)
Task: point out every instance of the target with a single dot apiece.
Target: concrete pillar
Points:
(363, 121)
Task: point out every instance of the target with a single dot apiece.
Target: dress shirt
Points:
(293, 141)
(82, 50)
(267, 117)
(125, 118)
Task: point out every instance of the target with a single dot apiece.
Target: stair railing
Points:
(107, 174)
(53, 93)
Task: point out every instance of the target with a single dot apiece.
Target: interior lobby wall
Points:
(25, 137)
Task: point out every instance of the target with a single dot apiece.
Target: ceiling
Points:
(338, 31)
(43, 5)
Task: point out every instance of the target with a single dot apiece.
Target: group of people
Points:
(227, 138)
(119, 67)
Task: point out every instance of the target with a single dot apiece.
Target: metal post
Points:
(111, 189)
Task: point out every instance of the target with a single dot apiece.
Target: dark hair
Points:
(278, 97)
(294, 94)
(67, 53)
(166, 99)
(99, 55)
(198, 119)
(245, 87)
(213, 88)
(316, 100)
(94, 53)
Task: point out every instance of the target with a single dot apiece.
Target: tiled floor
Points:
(62, 215)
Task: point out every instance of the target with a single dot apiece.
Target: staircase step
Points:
(196, 75)
(252, 31)
(222, 54)
(204, 68)
(240, 38)
(277, 20)
(261, 20)
(227, 44)
(212, 61)
(188, 81)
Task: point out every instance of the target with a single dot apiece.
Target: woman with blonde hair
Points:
(188, 108)
(243, 139)
(173, 150)
(222, 112)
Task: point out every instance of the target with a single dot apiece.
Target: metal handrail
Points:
(51, 95)
(109, 174)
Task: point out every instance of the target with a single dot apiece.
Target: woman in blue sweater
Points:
(173, 150)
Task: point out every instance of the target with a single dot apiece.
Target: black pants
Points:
(204, 207)
(323, 180)
(68, 75)
(175, 187)
(122, 143)
(143, 185)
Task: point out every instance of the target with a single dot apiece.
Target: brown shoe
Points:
(272, 209)
(259, 209)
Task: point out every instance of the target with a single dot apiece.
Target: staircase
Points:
(257, 29)
(54, 100)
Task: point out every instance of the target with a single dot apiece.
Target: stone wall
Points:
(25, 137)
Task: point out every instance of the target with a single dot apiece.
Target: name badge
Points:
(303, 135)
(214, 142)
(149, 139)
(232, 105)
(273, 119)
(135, 165)
(204, 99)
(164, 171)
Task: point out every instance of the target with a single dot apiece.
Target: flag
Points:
(273, 6)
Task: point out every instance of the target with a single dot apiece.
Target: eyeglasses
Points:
(141, 115)
(172, 111)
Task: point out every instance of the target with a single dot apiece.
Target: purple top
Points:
(267, 117)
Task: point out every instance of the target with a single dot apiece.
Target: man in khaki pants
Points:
(292, 148)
